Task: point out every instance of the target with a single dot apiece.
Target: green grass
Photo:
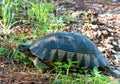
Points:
(40, 11)
(8, 9)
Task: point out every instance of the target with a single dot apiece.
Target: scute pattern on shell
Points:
(62, 45)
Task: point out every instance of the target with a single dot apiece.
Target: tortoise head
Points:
(24, 48)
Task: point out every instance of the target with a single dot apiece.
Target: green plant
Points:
(98, 78)
(56, 23)
(7, 16)
(69, 19)
(2, 51)
(69, 65)
(40, 11)
(19, 57)
(5, 53)
(94, 78)
(41, 15)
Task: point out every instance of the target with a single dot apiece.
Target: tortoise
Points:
(58, 47)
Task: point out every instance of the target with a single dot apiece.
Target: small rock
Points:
(101, 49)
(109, 46)
(114, 43)
(113, 51)
(76, 14)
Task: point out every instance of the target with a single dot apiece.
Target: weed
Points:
(95, 78)
(40, 14)
(40, 11)
(56, 23)
(7, 16)
(18, 57)
(2, 51)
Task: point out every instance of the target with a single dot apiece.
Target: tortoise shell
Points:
(57, 47)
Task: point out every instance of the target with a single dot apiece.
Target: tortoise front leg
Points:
(38, 62)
